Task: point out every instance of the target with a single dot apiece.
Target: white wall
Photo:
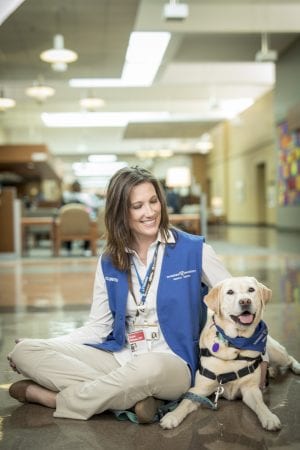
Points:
(239, 147)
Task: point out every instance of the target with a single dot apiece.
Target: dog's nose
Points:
(245, 301)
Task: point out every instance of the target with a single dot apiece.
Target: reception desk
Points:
(190, 222)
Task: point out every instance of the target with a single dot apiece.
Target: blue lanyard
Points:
(146, 282)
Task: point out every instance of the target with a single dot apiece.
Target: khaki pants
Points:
(90, 381)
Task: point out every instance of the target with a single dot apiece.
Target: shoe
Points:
(18, 390)
(146, 409)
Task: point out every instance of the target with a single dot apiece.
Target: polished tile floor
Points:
(41, 296)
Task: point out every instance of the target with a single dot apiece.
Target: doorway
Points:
(261, 194)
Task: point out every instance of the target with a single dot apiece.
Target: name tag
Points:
(137, 342)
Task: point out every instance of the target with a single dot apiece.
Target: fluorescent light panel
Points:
(102, 158)
(97, 182)
(143, 57)
(85, 169)
(178, 177)
(150, 154)
(97, 82)
(92, 119)
(233, 107)
(227, 110)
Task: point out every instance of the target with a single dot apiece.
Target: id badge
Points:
(152, 333)
(137, 342)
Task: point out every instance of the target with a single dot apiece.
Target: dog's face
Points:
(239, 300)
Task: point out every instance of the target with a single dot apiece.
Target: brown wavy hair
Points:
(119, 236)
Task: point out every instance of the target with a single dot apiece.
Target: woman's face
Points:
(144, 211)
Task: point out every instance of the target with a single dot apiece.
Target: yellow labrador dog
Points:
(232, 344)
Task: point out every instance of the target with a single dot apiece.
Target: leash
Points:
(162, 410)
(170, 406)
(221, 378)
(205, 400)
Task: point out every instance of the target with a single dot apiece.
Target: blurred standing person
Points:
(173, 201)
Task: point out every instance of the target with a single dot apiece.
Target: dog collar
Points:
(205, 352)
(256, 342)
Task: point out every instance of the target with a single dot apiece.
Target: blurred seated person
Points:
(75, 195)
(72, 195)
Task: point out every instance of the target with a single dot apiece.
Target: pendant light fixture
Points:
(6, 102)
(265, 54)
(40, 91)
(58, 56)
(91, 103)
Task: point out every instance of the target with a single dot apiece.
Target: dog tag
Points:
(218, 392)
(215, 347)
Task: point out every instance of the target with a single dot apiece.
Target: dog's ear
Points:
(265, 293)
(212, 299)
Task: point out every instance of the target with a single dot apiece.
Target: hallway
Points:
(45, 297)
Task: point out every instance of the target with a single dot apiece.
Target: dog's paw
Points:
(169, 421)
(271, 422)
(295, 367)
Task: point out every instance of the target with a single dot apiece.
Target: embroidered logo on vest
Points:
(182, 274)
(115, 280)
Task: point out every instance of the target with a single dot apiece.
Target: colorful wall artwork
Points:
(289, 166)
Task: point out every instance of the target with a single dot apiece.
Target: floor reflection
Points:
(42, 296)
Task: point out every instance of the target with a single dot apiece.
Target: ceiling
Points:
(210, 59)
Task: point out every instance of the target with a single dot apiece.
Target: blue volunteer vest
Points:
(180, 309)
